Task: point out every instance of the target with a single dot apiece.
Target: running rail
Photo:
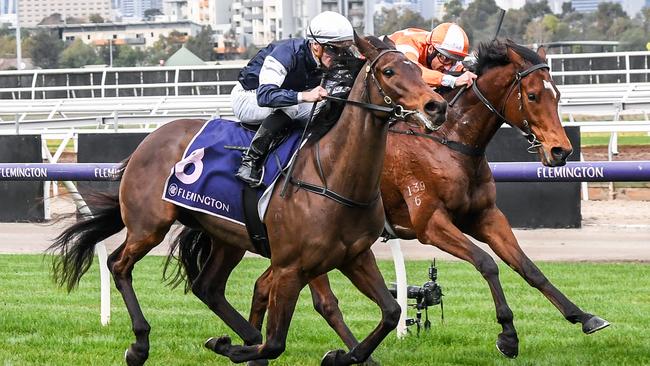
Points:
(573, 171)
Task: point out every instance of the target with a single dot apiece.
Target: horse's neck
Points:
(469, 121)
(352, 152)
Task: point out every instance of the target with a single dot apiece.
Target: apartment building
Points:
(137, 34)
(33, 11)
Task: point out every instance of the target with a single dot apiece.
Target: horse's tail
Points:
(194, 247)
(75, 245)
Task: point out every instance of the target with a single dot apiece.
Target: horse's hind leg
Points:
(139, 241)
(285, 287)
(493, 228)
(210, 287)
(365, 275)
(442, 233)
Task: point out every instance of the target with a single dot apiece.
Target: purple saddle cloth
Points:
(204, 180)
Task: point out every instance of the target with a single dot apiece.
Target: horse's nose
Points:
(437, 110)
(560, 153)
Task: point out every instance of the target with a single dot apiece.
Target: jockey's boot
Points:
(271, 130)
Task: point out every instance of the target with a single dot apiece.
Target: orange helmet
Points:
(450, 40)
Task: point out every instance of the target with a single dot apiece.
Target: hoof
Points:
(333, 358)
(594, 324)
(135, 358)
(508, 346)
(219, 345)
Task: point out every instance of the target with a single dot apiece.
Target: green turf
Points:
(624, 139)
(43, 325)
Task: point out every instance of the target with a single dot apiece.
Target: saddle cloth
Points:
(204, 180)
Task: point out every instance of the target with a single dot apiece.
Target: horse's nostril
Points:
(560, 153)
(434, 107)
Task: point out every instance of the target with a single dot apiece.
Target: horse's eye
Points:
(388, 72)
(532, 97)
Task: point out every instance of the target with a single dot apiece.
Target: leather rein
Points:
(473, 151)
(396, 112)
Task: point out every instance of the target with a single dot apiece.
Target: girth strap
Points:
(325, 192)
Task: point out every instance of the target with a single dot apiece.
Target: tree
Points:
(537, 9)
(453, 11)
(164, 47)
(202, 45)
(79, 54)
(128, 56)
(605, 15)
(479, 16)
(54, 18)
(95, 18)
(390, 21)
(514, 25)
(46, 50)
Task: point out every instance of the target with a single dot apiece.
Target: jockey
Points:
(438, 53)
(281, 83)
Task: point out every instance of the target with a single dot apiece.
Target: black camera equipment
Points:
(429, 294)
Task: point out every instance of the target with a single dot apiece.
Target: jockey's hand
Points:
(467, 78)
(315, 95)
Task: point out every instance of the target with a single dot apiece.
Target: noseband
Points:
(396, 111)
(525, 126)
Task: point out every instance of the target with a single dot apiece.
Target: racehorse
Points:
(309, 234)
(437, 187)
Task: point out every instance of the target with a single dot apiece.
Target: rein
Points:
(525, 129)
(454, 145)
(396, 111)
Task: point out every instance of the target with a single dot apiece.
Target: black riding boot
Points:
(271, 130)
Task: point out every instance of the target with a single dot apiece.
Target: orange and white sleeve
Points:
(410, 50)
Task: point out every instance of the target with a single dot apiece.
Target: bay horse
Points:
(438, 187)
(309, 234)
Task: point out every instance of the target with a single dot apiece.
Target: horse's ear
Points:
(365, 47)
(541, 51)
(388, 41)
(514, 57)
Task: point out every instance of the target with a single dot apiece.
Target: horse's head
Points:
(394, 81)
(531, 99)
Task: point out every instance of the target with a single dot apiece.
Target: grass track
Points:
(43, 325)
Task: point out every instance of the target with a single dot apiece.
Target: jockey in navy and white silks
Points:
(281, 83)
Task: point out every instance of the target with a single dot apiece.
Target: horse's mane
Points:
(495, 53)
(342, 76)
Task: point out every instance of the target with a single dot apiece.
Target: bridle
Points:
(516, 83)
(395, 111)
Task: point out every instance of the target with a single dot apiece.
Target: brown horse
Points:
(438, 187)
(309, 234)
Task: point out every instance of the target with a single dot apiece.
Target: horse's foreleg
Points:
(324, 300)
(121, 264)
(493, 228)
(327, 305)
(442, 233)
(365, 275)
(284, 291)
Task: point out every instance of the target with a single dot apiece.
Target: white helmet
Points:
(330, 27)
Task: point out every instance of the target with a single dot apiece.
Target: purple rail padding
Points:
(573, 171)
(601, 171)
(63, 172)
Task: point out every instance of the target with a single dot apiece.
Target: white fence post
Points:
(400, 274)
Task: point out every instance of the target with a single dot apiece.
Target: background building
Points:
(8, 12)
(136, 34)
(33, 11)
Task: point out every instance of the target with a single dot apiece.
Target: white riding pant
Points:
(246, 109)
